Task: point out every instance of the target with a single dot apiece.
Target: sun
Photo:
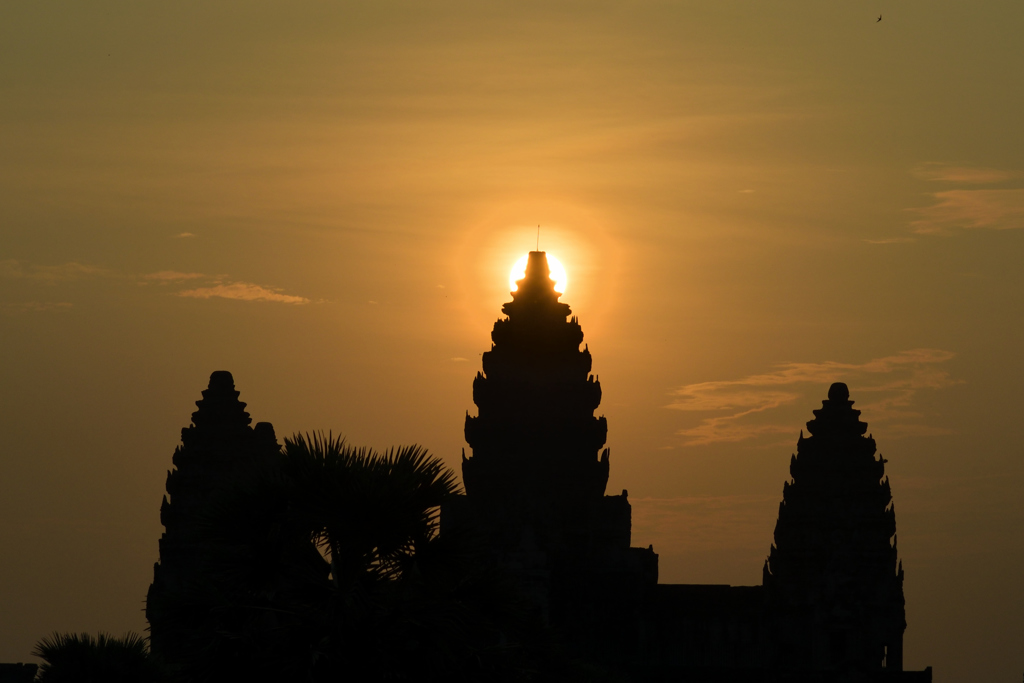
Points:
(554, 265)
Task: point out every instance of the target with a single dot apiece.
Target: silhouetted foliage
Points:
(328, 563)
(82, 658)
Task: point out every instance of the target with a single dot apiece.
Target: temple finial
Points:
(838, 392)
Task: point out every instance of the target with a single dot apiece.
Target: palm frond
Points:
(82, 657)
(328, 560)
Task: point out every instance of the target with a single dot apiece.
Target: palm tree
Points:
(368, 513)
(81, 658)
(329, 563)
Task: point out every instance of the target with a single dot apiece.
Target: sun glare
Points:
(557, 273)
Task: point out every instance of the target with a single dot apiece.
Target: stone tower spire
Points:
(215, 449)
(536, 434)
(536, 478)
(833, 578)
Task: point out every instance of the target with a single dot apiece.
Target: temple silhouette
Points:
(217, 449)
(831, 603)
(830, 606)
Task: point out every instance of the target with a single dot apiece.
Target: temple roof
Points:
(836, 415)
(220, 405)
(535, 293)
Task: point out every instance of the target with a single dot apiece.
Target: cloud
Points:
(971, 209)
(893, 240)
(243, 291)
(35, 306)
(166, 276)
(218, 288)
(743, 400)
(716, 396)
(460, 360)
(999, 208)
(12, 269)
(184, 234)
(726, 430)
(965, 175)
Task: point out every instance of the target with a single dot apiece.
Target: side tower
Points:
(833, 582)
(215, 448)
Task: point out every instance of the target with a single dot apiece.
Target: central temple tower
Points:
(535, 481)
(536, 436)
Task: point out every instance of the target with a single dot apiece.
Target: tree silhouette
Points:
(81, 658)
(328, 563)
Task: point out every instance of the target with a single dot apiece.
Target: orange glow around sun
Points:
(554, 265)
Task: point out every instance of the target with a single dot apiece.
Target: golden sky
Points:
(752, 200)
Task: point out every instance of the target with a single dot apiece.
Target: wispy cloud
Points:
(34, 306)
(964, 175)
(167, 276)
(727, 429)
(15, 270)
(893, 380)
(181, 235)
(994, 208)
(243, 291)
(218, 289)
(1001, 209)
(218, 286)
(892, 240)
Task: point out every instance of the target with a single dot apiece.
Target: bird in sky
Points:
(879, 18)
